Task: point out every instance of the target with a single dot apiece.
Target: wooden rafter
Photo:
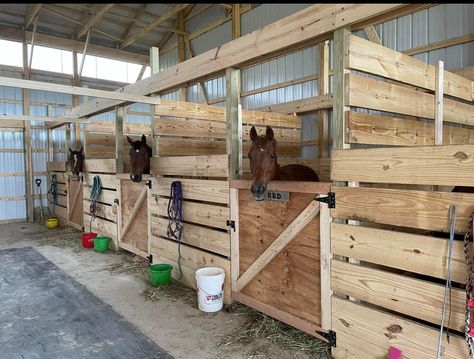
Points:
(130, 26)
(97, 16)
(372, 34)
(131, 39)
(33, 10)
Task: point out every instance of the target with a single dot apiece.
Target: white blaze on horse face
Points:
(137, 151)
(75, 160)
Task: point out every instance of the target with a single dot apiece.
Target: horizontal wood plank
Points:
(101, 226)
(404, 208)
(369, 57)
(210, 166)
(59, 166)
(109, 127)
(108, 181)
(99, 165)
(414, 297)
(106, 196)
(310, 104)
(287, 186)
(103, 210)
(375, 330)
(383, 130)
(428, 165)
(202, 190)
(379, 95)
(411, 252)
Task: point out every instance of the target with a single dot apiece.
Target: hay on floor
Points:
(174, 291)
(260, 326)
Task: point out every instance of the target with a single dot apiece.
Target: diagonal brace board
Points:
(285, 237)
(135, 208)
(74, 201)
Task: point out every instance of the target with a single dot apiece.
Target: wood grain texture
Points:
(59, 166)
(405, 208)
(414, 297)
(428, 165)
(103, 211)
(75, 203)
(369, 331)
(287, 186)
(294, 273)
(364, 128)
(211, 166)
(99, 165)
(369, 57)
(379, 95)
(410, 252)
(107, 196)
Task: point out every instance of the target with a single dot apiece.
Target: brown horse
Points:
(140, 154)
(76, 161)
(264, 166)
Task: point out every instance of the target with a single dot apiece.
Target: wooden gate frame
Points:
(122, 228)
(284, 238)
(75, 200)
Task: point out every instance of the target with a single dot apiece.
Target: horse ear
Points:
(70, 150)
(253, 134)
(144, 139)
(80, 151)
(130, 142)
(269, 133)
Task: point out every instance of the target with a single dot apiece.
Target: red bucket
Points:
(88, 240)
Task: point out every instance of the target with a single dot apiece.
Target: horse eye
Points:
(249, 157)
(272, 156)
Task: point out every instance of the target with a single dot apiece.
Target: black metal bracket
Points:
(116, 201)
(148, 183)
(330, 336)
(330, 199)
(150, 258)
(231, 224)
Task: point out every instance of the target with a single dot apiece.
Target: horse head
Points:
(140, 154)
(76, 161)
(263, 161)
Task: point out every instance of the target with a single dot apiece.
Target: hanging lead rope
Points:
(95, 194)
(468, 253)
(175, 215)
(447, 288)
(53, 190)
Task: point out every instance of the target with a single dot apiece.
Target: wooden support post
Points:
(33, 42)
(234, 238)
(439, 103)
(325, 259)
(27, 140)
(234, 123)
(235, 21)
(323, 83)
(50, 138)
(154, 69)
(181, 49)
(76, 81)
(119, 115)
(83, 60)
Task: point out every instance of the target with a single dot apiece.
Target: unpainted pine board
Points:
(302, 106)
(103, 210)
(61, 212)
(209, 239)
(99, 152)
(428, 165)
(108, 127)
(197, 213)
(379, 95)
(62, 200)
(417, 209)
(369, 57)
(214, 191)
(108, 139)
(101, 226)
(325, 269)
(59, 166)
(416, 253)
(211, 166)
(137, 232)
(294, 273)
(417, 298)
(189, 147)
(190, 128)
(99, 165)
(106, 196)
(108, 181)
(75, 205)
(287, 186)
(61, 188)
(364, 128)
(377, 331)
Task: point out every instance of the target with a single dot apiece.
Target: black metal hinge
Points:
(231, 224)
(148, 183)
(116, 201)
(330, 199)
(330, 336)
(150, 258)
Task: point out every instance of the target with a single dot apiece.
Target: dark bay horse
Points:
(140, 154)
(264, 166)
(76, 161)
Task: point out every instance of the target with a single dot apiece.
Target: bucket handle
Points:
(199, 288)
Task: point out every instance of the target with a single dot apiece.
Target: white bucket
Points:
(210, 288)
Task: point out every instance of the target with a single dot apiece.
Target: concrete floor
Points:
(177, 327)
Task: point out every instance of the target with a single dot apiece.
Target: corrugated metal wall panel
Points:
(169, 59)
(211, 39)
(205, 18)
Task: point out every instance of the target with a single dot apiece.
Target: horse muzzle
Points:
(258, 192)
(136, 178)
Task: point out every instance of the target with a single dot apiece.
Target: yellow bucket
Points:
(52, 222)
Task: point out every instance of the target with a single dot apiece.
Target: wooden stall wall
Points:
(389, 270)
(58, 168)
(106, 221)
(75, 203)
(277, 252)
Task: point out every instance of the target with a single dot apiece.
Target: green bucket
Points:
(160, 274)
(101, 244)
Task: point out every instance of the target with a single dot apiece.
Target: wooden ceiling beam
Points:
(130, 26)
(97, 16)
(131, 39)
(32, 12)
